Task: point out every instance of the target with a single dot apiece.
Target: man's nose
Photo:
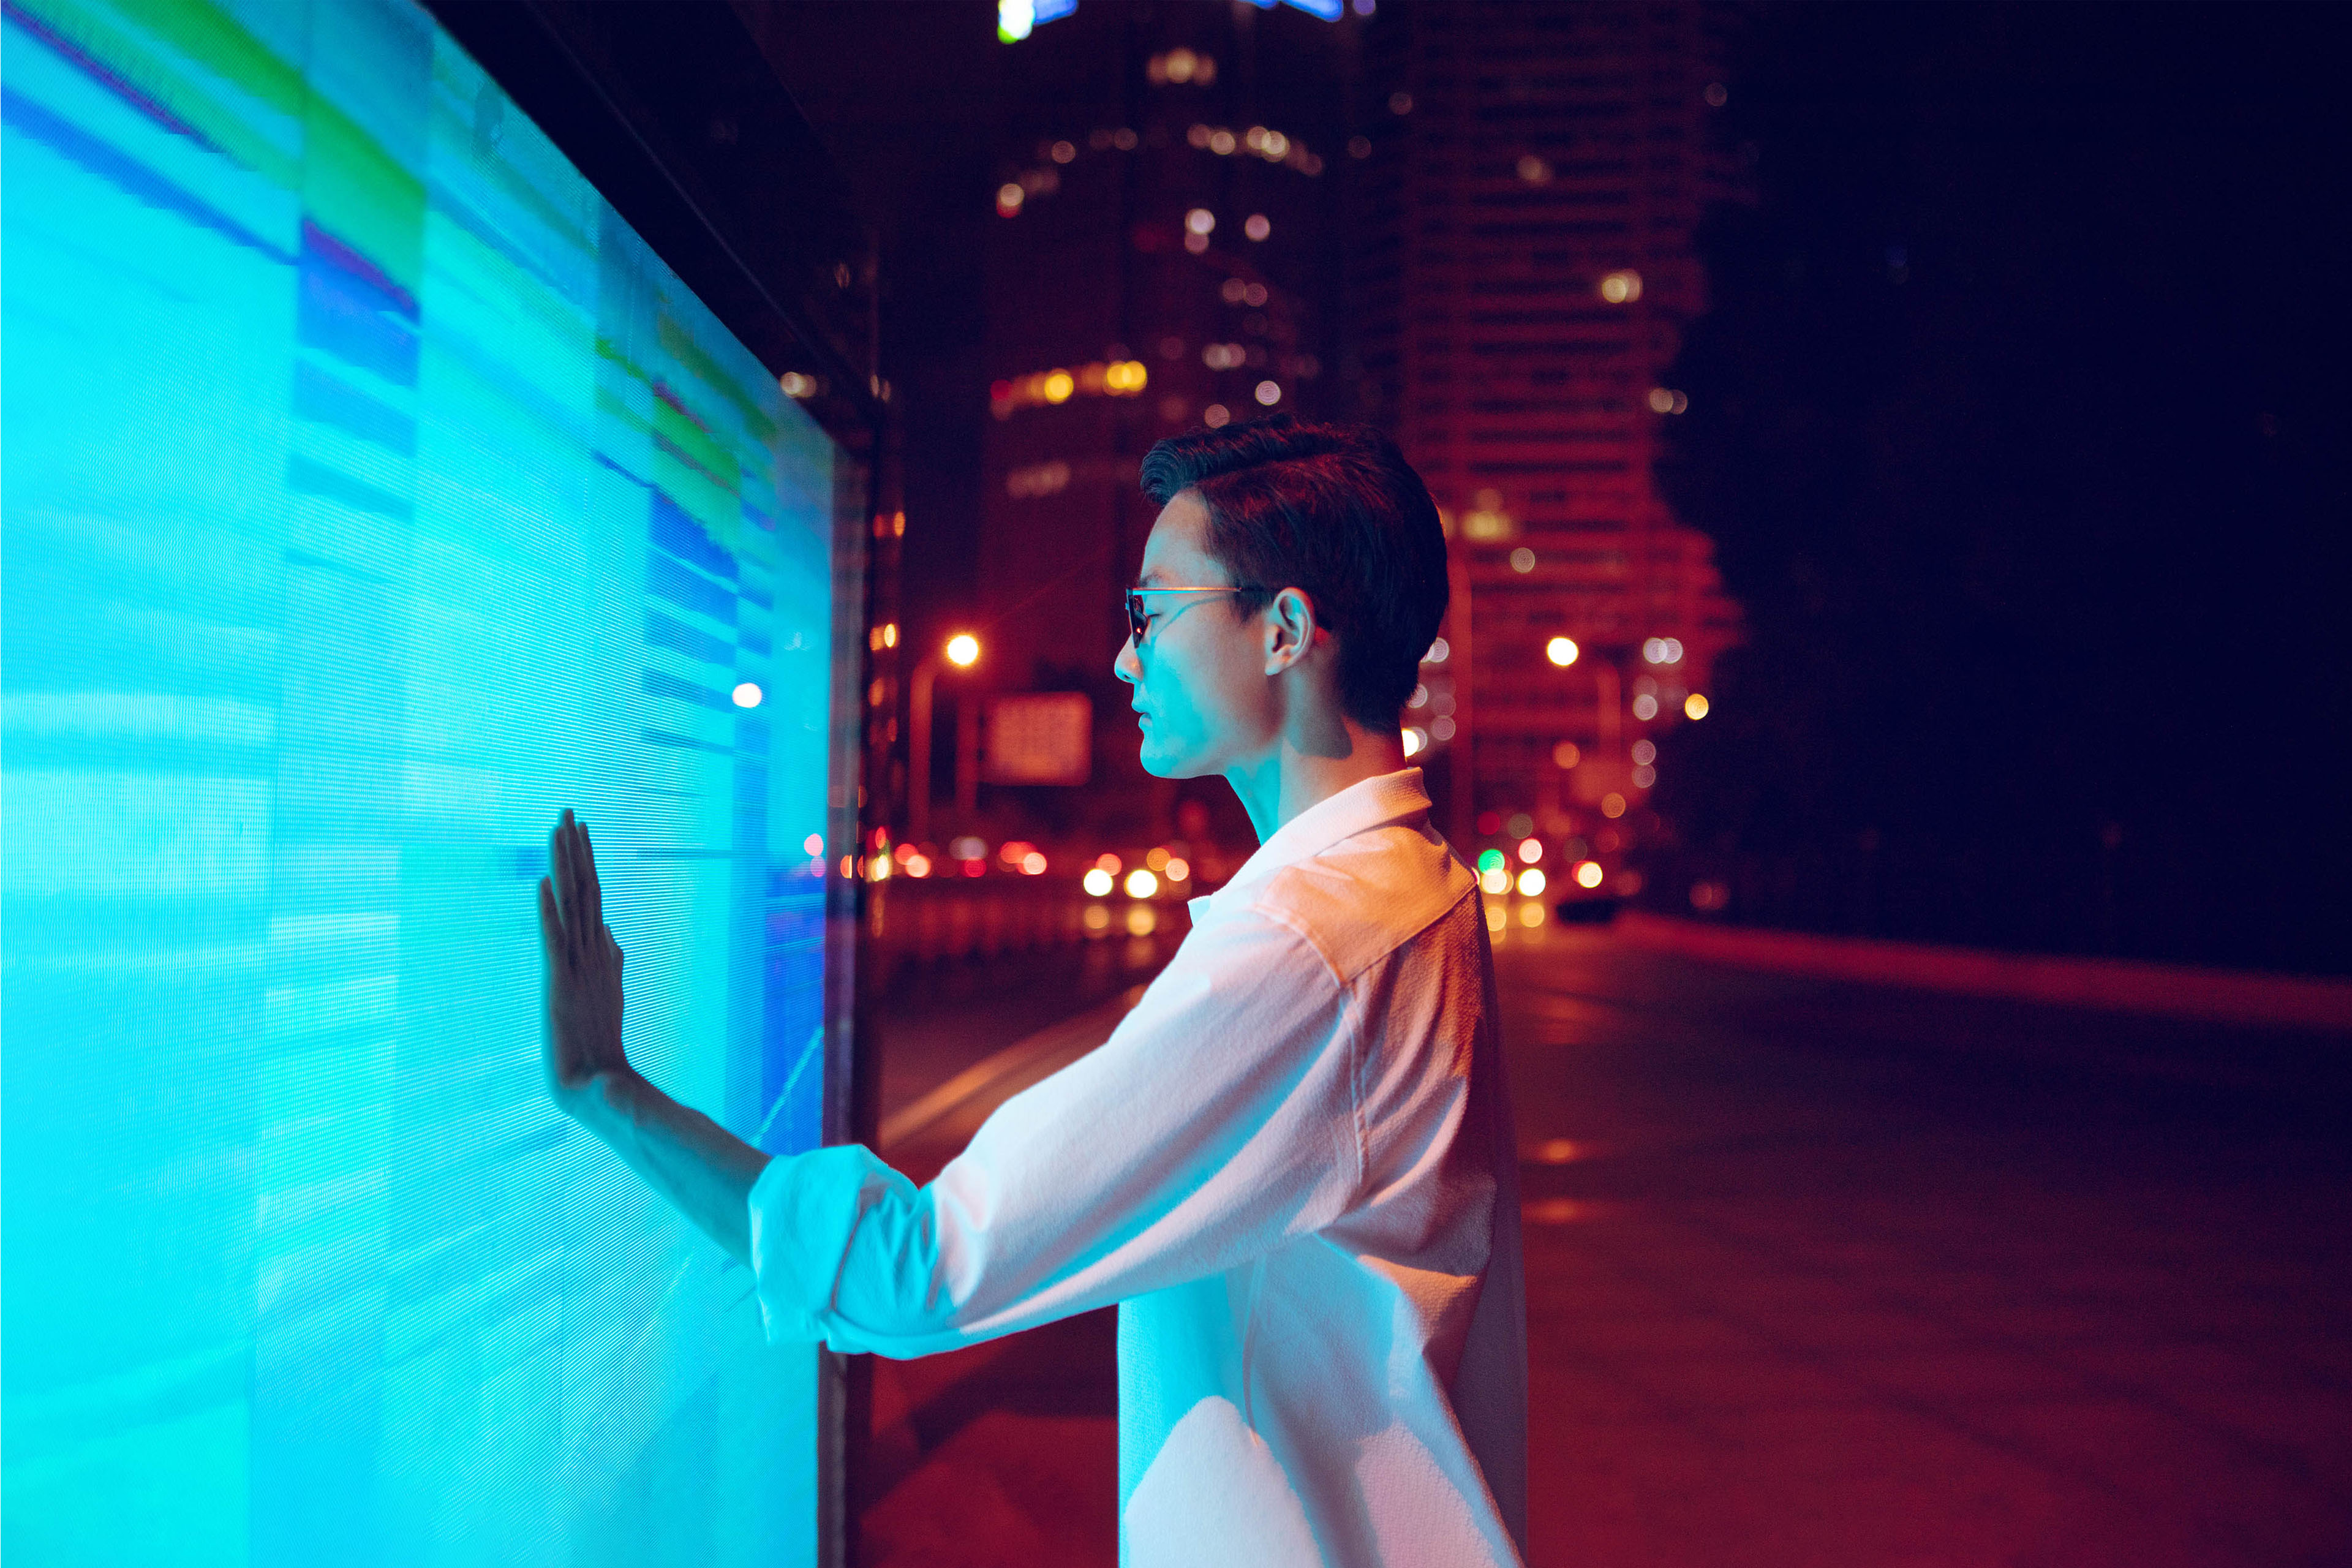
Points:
(1127, 667)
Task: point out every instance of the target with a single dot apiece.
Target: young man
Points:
(1293, 1164)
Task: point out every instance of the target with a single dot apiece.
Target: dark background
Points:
(2019, 421)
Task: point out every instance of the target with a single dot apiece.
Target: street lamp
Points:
(1608, 723)
(962, 651)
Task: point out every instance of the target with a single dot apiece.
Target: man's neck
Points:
(1286, 781)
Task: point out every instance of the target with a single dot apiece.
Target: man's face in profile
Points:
(1203, 697)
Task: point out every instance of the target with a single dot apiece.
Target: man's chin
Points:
(1160, 764)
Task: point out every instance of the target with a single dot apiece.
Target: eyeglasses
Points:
(1138, 619)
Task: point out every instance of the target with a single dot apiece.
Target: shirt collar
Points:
(1362, 805)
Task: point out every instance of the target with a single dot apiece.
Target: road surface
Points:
(1819, 1274)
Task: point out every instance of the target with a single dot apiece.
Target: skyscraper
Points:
(1530, 177)
(1165, 256)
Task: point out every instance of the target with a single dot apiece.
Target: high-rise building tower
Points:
(1166, 255)
(1525, 198)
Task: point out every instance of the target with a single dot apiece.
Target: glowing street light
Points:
(1562, 651)
(963, 650)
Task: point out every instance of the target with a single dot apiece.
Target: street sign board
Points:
(1040, 737)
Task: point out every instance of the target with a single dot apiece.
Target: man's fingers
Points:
(577, 922)
(591, 890)
(550, 922)
(556, 872)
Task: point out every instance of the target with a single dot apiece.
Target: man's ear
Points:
(1290, 630)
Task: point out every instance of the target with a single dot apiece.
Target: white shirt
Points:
(1293, 1167)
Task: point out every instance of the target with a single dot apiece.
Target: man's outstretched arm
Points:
(705, 1171)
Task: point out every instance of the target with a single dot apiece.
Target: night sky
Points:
(2019, 422)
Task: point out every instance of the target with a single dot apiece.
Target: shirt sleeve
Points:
(1220, 1120)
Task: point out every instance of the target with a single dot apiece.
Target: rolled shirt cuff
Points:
(805, 1211)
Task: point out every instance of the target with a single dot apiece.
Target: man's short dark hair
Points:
(1334, 511)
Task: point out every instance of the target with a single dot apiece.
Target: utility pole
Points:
(962, 651)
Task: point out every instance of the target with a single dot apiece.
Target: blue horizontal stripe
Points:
(663, 632)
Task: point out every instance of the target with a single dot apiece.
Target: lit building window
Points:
(1487, 520)
(1180, 67)
(1113, 378)
(1037, 480)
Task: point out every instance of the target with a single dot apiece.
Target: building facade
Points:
(1472, 223)
(1166, 257)
(1530, 177)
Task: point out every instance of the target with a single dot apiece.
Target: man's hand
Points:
(584, 971)
(690, 1160)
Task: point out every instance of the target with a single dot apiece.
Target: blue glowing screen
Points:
(372, 491)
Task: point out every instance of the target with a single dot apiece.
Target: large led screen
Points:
(372, 491)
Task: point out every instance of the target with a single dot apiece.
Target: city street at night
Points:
(1267, 689)
(1820, 1274)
